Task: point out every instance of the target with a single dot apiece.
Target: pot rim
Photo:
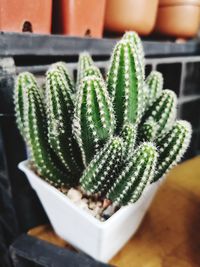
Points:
(23, 166)
(167, 3)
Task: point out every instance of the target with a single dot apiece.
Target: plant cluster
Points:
(111, 137)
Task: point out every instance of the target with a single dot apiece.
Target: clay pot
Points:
(79, 17)
(137, 15)
(178, 18)
(26, 15)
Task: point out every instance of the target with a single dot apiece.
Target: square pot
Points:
(79, 18)
(24, 15)
(101, 240)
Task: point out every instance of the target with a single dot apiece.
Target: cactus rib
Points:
(125, 84)
(172, 147)
(60, 110)
(101, 171)
(94, 120)
(136, 174)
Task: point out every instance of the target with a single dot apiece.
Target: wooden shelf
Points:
(169, 235)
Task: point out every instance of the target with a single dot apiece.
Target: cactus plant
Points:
(60, 108)
(62, 67)
(148, 130)
(102, 170)
(94, 120)
(172, 147)
(163, 111)
(137, 172)
(154, 84)
(109, 138)
(24, 80)
(35, 129)
(136, 43)
(129, 134)
(125, 84)
(93, 71)
(85, 61)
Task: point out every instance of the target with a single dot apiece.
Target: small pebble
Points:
(74, 195)
(99, 204)
(92, 205)
(82, 204)
(106, 203)
(109, 211)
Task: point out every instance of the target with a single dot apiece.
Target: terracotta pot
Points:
(80, 18)
(26, 15)
(137, 15)
(179, 18)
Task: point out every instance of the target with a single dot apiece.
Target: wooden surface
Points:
(170, 233)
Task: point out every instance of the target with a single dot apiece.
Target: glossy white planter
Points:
(101, 240)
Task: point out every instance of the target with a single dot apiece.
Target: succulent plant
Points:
(172, 147)
(24, 80)
(62, 67)
(85, 61)
(94, 120)
(148, 130)
(110, 138)
(92, 71)
(154, 84)
(163, 111)
(60, 108)
(102, 170)
(129, 134)
(136, 43)
(138, 171)
(125, 84)
(35, 129)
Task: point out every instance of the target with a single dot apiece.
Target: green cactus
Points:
(128, 135)
(154, 84)
(94, 120)
(172, 147)
(136, 43)
(60, 108)
(62, 67)
(163, 112)
(98, 136)
(24, 80)
(148, 131)
(93, 71)
(101, 171)
(35, 128)
(125, 84)
(136, 174)
(85, 61)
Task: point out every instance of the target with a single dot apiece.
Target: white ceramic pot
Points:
(101, 240)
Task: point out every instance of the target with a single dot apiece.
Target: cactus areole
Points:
(112, 137)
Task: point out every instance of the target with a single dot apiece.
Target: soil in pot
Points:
(136, 15)
(26, 16)
(178, 18)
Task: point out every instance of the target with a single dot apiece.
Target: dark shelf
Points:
(23, 44)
